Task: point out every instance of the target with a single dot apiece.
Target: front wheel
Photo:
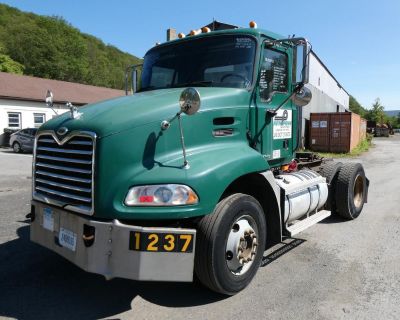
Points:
(230, 244)
(17, 147)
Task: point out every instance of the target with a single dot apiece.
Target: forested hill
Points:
(49, 47)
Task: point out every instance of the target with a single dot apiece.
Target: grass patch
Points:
(362, 147)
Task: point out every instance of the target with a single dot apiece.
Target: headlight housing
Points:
(161, 195)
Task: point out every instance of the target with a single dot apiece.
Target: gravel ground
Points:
(334, 270)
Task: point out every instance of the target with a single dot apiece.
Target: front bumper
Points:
(110, 253)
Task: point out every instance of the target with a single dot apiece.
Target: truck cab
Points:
(193, 173)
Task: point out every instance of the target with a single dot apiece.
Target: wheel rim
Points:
(241, 246)
(16, 147)
(358, 191)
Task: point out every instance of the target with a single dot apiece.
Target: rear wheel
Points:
(17, 147)
(351, 190)
(330, 171)
(230, 244)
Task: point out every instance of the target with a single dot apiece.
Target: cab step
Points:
(308, 222)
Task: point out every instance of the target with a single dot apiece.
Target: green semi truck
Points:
(195, 173)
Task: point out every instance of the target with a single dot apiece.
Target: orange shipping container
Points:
(335, 132)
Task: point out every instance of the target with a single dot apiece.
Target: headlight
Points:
(161, 195)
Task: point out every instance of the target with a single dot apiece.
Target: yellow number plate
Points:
(160, 242)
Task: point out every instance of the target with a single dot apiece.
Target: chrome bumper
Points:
(109, 255)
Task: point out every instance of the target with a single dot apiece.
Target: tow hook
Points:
(88, 235)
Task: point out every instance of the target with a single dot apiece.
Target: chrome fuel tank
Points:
(305, 191)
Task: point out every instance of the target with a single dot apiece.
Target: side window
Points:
(273, 75)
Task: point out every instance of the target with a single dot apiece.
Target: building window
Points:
(14, 120)
(39, 119)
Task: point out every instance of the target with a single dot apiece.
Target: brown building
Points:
(22, 100)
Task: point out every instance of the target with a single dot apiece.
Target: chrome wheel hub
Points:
(241, 247)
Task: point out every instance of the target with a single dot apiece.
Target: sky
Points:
(356, 39)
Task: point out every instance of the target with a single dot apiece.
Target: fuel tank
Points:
(305, 192)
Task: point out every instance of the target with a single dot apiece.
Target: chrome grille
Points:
(63, 170)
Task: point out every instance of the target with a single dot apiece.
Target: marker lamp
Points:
(161, 195)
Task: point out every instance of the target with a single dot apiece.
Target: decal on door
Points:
(283, 124)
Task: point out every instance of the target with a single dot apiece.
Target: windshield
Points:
(220, 61)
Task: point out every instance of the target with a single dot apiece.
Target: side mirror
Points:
(131, 71)
(302, 57)
(189, 101)
(302, 97)
(134, 80)
(49, 99)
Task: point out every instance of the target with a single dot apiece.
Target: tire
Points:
(330, 171)
(351, 190)
(233, 233)
(17, 147)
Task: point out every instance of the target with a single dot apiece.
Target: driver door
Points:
(276, 134)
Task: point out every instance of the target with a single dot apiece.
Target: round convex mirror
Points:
(189, 101)
(49, 98)
(303, 97)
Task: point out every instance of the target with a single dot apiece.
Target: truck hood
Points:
(120, 114)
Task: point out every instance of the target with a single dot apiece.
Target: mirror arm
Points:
(273, 112)
(51, 107)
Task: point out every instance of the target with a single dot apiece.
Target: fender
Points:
(210, 173)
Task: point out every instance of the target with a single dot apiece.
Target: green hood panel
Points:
(133, 150)
(211, 169)
(120, 114)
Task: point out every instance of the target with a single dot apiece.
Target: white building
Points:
(328, 95)
(22, 100)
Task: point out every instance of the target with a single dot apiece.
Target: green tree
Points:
(377, 113)
(49, 47)
(9, 65)
(356, 107)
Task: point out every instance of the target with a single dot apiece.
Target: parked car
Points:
(23, 140)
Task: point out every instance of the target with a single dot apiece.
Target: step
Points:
(308, 222)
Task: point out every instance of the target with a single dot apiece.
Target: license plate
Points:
(48, 219)
(160, 242)
(67, 239)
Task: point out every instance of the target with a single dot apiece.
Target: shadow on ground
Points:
(334, 218)
(38, 284)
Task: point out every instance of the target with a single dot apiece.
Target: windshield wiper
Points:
(202, 83)
(147, 88)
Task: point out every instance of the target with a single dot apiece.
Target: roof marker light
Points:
(195, 32)
(253, 24)
(181, 35)
(205, 30)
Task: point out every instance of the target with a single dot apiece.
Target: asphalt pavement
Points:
(334, 270)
